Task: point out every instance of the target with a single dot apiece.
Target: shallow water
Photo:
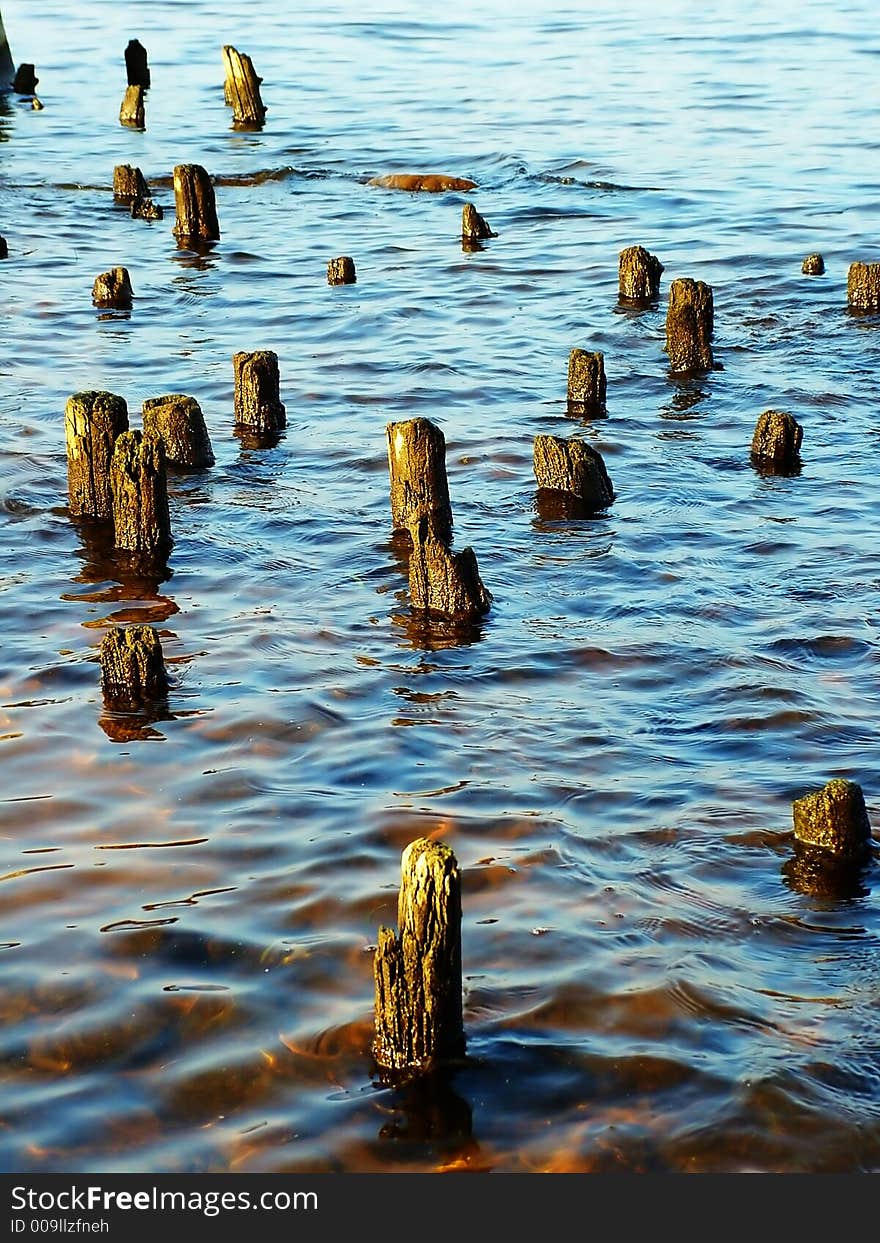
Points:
(189, 902)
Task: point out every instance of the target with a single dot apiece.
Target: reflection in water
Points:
(136, 575)
(584, 412)
(471, 244)
(554, 506)
(427, 1113)
(687, 395)
(817, 875)
(767, 468)
(426, 633)
(134, 725)
(253, 440)
(195, 254)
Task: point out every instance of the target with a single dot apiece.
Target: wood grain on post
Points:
(25, 80)
(417, 469)
(444, 583)
(417, 969)
(177, 421)
(136, 68)
(138, 480)
(242, 88)
(146, 209)
(340, 271)
(257, 387)
(129, 184)
(474, 228)
(638, 275)
(195, 204)
(574, 467)
(690, 322)
(131, 110)
(586, 381)
(113, 288)
(777, 439)
(132, 666)
(813, 265)
(834, 819)
(93, 421)
(863, 286)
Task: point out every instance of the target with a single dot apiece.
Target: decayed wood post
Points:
(195, 203)
(417, 469)
(813, 265)
(25, 80)
(444, 583)
(241, 88)
(474, 228)
(177, 421)
(690, 322)
(141, 522)
(113, 288)
(638, 275)
(7, 65)
(131, 110)
(777, 439)
(574, 467)
(132, 666)
(136, 67)
(341, 271)
(863, 286)
(93, 421)
(417, 970)
(257, 387)
(834, 819)
(586, 381)
(129, 184)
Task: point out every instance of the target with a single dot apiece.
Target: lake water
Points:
(189, 903)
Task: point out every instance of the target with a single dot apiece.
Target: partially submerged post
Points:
(777, 440)
(132, 667)
(241, 88)
(131, 110)
(195, 204)
(835, 820)
(417, 469)
(586, 382)
(25, 80)
(136, 68)
(863, 286)
(690, 321)
(417, 970)
(443, 583)
(573, 467)
(341, 271)
(177, 421)
(93, 421)
(813, 265)
(113, 289)
(138, 482)
(474, 228)
(7, 65)
(257, 387)
(638, 276)
(129, 184)
(4, 249)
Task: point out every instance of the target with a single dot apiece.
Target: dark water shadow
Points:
(134, 723)
(194, 253)
(552, 506)
(427, 1118)
(815, 874)
(688, 394)
(585, 412)
(863, 317)
(768, 469)
(471, 245)
(254, 441)
(122, 576)
(427, 632)
(635, 308)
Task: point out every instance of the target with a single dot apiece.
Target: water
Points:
(189, 902)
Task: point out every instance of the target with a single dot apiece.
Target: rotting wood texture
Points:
(196, 208)
(132, 666)
(417, 470)
(638, 275)
(177, 421)
(241, 88)
(690, 323)
(443, 583)
(574, 467)
(93, 421)
(138, 479)
(257, 388)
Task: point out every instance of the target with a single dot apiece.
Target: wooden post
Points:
(444, 583)
(834, 819)
(4, 249)
(574, 467)
(813, 265)
(131, 110)
(113, 288)
(473, 227)
(417, 970)
(7, 65)
(863, 286)
(132, 666)
(25, 80)
(777, 440)
(341, 271)
(257, 388)
(177, 421)
(586, 382)
(690, 321)
(129, 184)
(136, 67)
(242, 88)
(92, 423)
(417, 467)
(638, 275)
(146, 209)
(196, 208)
(141, 522)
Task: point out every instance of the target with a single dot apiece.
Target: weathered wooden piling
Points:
(136, 68)
(638, 275)
(341, 271)
(257, 387)
(777, 440)
(834, 819)
(574, 467)
(443, 583)
(863, 286)
(132, 666)
(195, 205)
(129, 184)
(417, 469)
(586, 382)
(138, 481)
(241, 88)
(131, 110)
(4, 249)
(177, 421)
(813, 265)
(93, 421)
(146, 209)
(474, 228)
(7, 65)
(417, 969)
(25, 80)
(113, 289)
(690, 322)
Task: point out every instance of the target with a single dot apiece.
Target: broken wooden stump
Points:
(443, 583)
(146, 209)
(4, 249)
(138, 482)
(195, 205)
(177, 421)
(586, 382)
(474, 228)
(341, 271)
(575, 468)
(638, 275)
(131, 110)
(25, 80)
(136, 68)
(93, 421)
(776, 441)
(129, 184)
(863, 286)
(835, 820)
(417, 969)
(432, 183)
(132, 667)
(241, 88)
(690, 321)
(257, 402)
(113, 289)
(813, 265)
(417, 469)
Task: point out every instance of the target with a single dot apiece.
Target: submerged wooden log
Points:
(93, 421)
(136, 68)
(586, 381)
(131, 110)
(834, 819)
(417, 470)
(417, 969)
(195, 204)
(813, 265)
(863, 286)
(141, 522)
(444, 583)
(257, 386)
(433, 183)
(129, 184)
(341, 271)
(638, 275)
(690, 322)
(132, 666)
(242, 88)
(25, 80)
(113, 288)
(177, 421)
(777, 439)
(474, 228)
(573, 467)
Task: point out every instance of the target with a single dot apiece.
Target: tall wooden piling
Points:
(177, 421)
(113, 289)
(574, 467)
(241, 88)
(863, 286)
(257, 387)
(195, 205)
(777, 439)
(834, 819)
(141, 522)
(341, 271)
(129, 184)
(7, 65)
(690, 322)
(132, 666)
(638, 276)
(417, 969)
(131, 111)
(443, 583)
(586, 382)
(417, 469)
(93, 421)
(136, 68)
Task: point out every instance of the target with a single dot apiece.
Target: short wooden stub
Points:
(574, 467)
(443, 583)
(638, 275)
(474, 228)
(25, 80)
(195, 204)
(257, 387)
(93, 421)
(129, 184)
(586, 382)
(113, 288)
(242, 88)
(417, 969)
(138, 481)
(132, 666)
(4, 248)
(417, 469)
(834, 819)
(146, 209)
(177, 421)
(131, 110)
(863, 286)
(813, 265)
(777, 439)
(340, 271)
(690, 322)
(136, 68)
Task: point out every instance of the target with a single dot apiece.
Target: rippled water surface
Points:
(190, 899)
